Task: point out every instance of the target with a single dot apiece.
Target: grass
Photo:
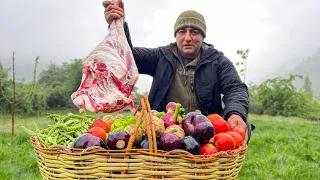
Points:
(280, 148)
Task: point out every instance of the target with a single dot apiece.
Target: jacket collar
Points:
(207, 50)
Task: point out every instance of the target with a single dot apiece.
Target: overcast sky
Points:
(274, 31)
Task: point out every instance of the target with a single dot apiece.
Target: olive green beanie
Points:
(191, 18)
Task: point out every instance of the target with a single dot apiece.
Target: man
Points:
(190, 71)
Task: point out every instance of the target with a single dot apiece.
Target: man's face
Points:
(189, 41)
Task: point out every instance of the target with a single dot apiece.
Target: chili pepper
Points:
(73, 128)
(32, 133)
(60, 140)
(71, 121)
(54, 128)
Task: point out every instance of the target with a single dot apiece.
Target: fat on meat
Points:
(109, 75)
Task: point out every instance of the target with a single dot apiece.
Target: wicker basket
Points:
(59, 162)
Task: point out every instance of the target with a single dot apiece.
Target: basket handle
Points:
(147, 115)
(153, 132)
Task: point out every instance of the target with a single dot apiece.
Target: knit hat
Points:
(191, 18)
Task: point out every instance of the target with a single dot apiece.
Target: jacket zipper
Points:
(187, 84)
(195, 89)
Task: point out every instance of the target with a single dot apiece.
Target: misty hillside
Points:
(306, 67)
(23, 70)
(310, 67)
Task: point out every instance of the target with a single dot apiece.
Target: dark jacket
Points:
(214, 75)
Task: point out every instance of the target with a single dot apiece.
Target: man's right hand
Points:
(113, 10)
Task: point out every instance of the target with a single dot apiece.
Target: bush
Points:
(255, 109)
(278, 96)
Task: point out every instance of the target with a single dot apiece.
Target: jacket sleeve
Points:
(234, 91)
(146, 58)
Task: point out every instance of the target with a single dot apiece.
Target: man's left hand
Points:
(236, 120)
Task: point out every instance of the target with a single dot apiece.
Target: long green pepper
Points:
(65, 129)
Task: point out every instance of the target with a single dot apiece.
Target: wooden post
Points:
(13, 98)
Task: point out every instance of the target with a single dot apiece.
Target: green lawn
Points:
(283, 148)
(280, 148)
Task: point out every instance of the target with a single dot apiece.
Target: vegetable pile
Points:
(193, 132)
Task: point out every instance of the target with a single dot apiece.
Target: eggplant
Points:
(191, 145)
(118, 140)
(170, 141)
(144, 144)
(198, 126)
(87, 140)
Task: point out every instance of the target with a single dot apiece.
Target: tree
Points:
(53, 73)
(4, 90)
(62, 81)
(243, 63)
(74, 74)
(3, 77)
(278, 96)
(307, 85)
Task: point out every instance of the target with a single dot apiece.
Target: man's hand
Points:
(236, 120)
(113, 10)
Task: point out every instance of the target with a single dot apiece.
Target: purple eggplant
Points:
(144, 144)
(118, 140)
(191, 145)
(198, 126)
(87, 140)
(170, 141)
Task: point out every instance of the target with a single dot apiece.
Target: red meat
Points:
(109, 75)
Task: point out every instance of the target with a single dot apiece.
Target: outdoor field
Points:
(146, 90)
(280, 148)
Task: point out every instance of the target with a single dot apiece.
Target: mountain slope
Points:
(310, 67)
(307, 67)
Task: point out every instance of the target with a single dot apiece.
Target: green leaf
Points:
(120, 124)
(198, 111)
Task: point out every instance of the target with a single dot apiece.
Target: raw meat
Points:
(109, 75)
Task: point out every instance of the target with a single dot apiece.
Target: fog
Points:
(276, 32)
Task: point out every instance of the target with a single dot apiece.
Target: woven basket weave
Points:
(60, 162)
(97, 163)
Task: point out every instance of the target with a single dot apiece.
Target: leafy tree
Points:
(58, 96)
(62, 81)
(73, 74)
(255, 106)
(278, 96)
(243, 63)
(3, 77)
(54, 73)
(36, 103)
(307, 85)
(4, 90)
